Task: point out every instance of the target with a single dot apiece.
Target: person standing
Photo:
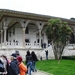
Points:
(22, 67)
(29, 62)
(13, 66)
(46, 54)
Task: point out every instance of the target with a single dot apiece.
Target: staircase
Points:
(50, 53)
(68, 51)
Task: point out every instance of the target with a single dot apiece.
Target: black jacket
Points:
(34, 57)
(28, 58)
(13, 68)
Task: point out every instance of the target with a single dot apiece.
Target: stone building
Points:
(22, 31)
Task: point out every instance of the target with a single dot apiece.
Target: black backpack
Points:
(1, 66)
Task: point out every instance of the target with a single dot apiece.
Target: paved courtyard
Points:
(40, 73)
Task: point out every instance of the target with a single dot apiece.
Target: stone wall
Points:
(39, 52)
(8, 52)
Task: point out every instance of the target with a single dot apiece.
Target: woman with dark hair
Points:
(29, 62)
(34, 60)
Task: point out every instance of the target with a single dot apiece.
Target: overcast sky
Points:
(57, 8)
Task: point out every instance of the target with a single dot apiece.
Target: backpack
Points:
(1, 66)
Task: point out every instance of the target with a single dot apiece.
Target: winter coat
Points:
(23, 69)
(13, 68)
(28, 58)
(34, 57)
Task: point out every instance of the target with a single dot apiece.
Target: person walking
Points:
(29, 62)
(34, 60)
(22, 67)
(13, 67)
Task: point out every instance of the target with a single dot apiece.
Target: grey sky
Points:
(58, 8)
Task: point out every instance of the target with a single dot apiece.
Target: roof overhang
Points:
(31, 16)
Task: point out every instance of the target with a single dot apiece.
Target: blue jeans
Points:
(46, 57)
(29, 65)
(34, 65)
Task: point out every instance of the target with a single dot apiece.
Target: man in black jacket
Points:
(13, 67)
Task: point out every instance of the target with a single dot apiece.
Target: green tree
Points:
(59, 33)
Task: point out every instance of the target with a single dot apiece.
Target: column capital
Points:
(24, 23)
(40, 24)
(6, 21)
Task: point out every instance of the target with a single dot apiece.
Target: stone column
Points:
(1, 37)
(23, 40)
(5, 29)
(40, 38)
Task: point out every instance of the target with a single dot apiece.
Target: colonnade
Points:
(5, 26)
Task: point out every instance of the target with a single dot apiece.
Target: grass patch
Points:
(66, 67)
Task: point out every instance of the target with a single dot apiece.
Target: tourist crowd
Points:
(16, 66)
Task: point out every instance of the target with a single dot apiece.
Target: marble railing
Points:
(19, 45)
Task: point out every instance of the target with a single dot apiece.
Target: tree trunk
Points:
(58, 50)
(54, 46)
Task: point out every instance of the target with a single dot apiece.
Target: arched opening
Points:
(14, 33)
(72, 39)
(72, 36)
(30, 34)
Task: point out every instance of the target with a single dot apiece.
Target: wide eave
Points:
(31, 16)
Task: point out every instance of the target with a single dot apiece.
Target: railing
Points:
(19, 45)
(35, 45)
(28, 44)
(12, 44)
